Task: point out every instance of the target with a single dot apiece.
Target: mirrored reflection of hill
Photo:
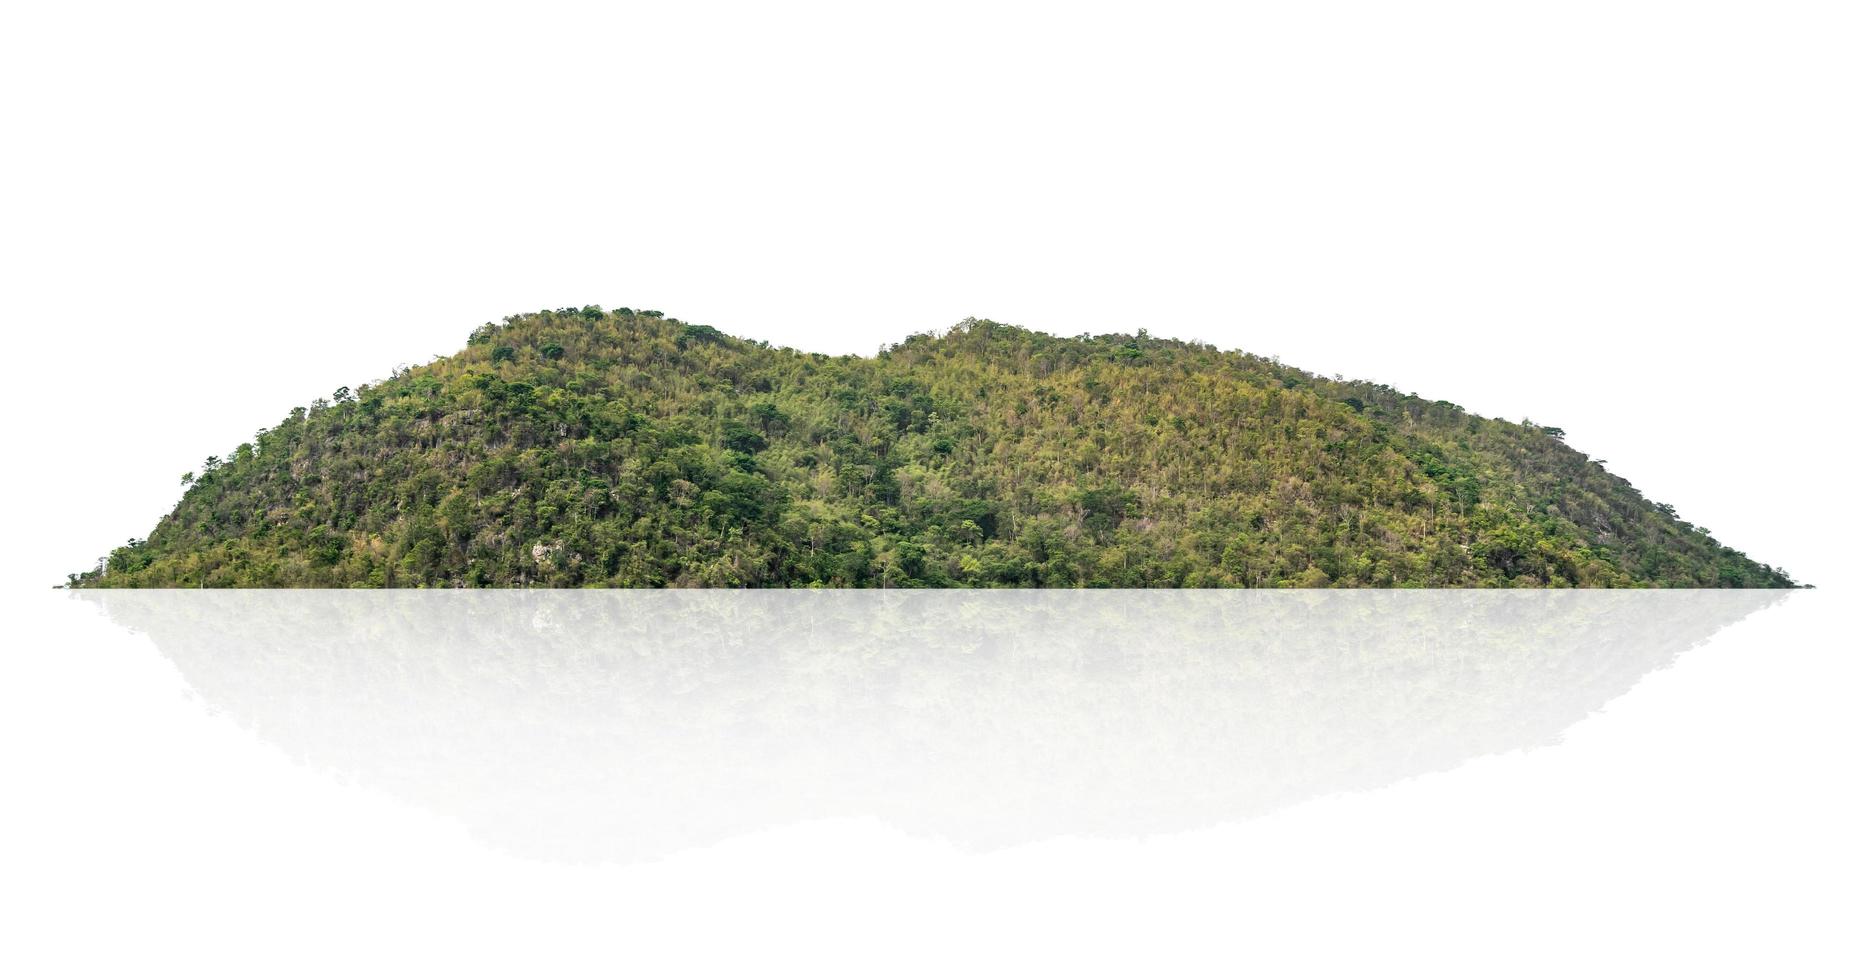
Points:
(599, 726)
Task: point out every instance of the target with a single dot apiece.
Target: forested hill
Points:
(583, 447)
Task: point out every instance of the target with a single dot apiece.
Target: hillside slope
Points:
(580, 447)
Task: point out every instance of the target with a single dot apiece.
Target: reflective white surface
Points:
(265, 783)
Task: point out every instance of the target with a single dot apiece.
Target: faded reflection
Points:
(598, 726)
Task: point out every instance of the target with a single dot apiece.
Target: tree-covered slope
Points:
(580, 447)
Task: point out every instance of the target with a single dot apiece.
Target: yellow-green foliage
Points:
(579, 447)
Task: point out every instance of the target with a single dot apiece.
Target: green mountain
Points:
(579, 447)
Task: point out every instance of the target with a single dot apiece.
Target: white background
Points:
(1628, 219)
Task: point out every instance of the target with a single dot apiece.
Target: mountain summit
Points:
(582, 447)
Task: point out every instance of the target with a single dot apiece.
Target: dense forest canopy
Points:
(580, 447)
